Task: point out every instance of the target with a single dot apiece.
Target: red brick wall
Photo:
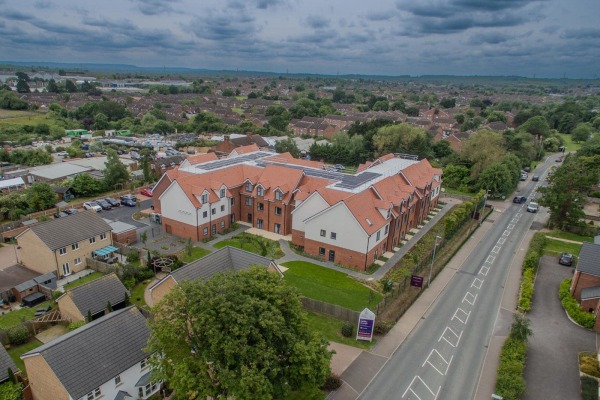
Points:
(180, 229)
(298, 237)
(348, 258)
(126, 238)
(581, 281)
(158, 190)
(589, 304)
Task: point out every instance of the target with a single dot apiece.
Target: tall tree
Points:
(52, 87)
(22, 86)
(482, 149)
(238, 335)
(287, 145)
(40, 196)
(70, 86)
(115, 171)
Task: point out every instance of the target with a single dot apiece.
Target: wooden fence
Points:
(332, 310)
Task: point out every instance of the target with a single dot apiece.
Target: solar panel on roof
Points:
(232, 161)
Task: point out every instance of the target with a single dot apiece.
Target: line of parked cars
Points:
(108, 203)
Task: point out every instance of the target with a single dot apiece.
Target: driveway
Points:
(552, 370)
(124, 214)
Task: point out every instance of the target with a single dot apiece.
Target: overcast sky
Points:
(545, 38)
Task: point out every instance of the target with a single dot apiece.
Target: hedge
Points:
(587, 320)
(530, 266)
(526, 290)
(510, 381)
(589, 388)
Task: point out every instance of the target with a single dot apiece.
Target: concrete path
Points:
(552, 370)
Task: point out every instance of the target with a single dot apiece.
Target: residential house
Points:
(223, 260)
(103, 359)
(77, 303)
(287, 196)
(62, 245)
(5, 363)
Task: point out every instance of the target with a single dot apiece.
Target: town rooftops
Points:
(92, 355)
(57, 171)
(95, 295)
(588, 259)
(65, 231)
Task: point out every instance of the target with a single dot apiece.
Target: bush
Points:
(510, 382)
(589, 388)
(382, 327)
(18, 335)
(74, 325)
(332, 382)
(526, 290)
(133, 256)
(347, 329)
(530, 266)
(10, 391)
(581, 317)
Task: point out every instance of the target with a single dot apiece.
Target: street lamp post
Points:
(487, 191)
(433, 259)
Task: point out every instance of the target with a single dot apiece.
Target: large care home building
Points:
(63, 244)
(103, 359)
(349, 219)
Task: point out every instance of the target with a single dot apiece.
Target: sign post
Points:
(416, 281)
(366, 323)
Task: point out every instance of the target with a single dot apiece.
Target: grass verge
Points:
(330, 286)
(88, 278)
(16, 317)
(331, 330)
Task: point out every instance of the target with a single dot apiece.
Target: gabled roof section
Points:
(394, 189)
(243, 150)
(62, 232)
(94, 296)
(92, 355)
(222, 260)
(276, 176)
(308, 185)
(287, 158)
(421, 174)
(5, 363)
(202, 158)
(363, 206)
(588, 259)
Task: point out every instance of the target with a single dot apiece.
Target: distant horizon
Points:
(134, 68)
(545, 39)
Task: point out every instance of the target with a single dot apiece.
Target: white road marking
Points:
(506, 233)
(477, 283)
(470, 298)
(490, 259)
(501, 241)
(496, 249)
(452, 335)
(484, 270)
(511, 227)
(464, 315)
(434, 394)
(438, 359)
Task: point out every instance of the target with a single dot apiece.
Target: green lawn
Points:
(14, 318)
(197, 252)
(555, 247)
(253, 244)
(15, 352)
(307, 394)
(570, 146)
(137, 294)
(330, 329)
(329, 286)
(88, 278)
(570, 236)
(237, 110)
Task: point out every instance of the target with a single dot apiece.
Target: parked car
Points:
(524, 177)
(146, 191)
(128, 197)
(535, 178)
(70, 211)
(339, 167)
(519, 199)
(62, 154)
(565, 259)
(61, 214)
(533, 207)
(112, 202)
(92, 205)
(104, 204)
(128, 200)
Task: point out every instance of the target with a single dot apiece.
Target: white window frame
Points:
(75, 246)
(260, 191)
(103, 236)
(249, 187)
(118, 381)
(94, 394)
(248, 201)
(278, 195)
(378, 235)
(323, 233)
(260, 206)
(62, 251)
(278, 210)
(205, 231)
(204, 198)
(93, 240)
(77, 261)
(222, 193)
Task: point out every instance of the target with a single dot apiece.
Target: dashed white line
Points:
(490, 259)
(511, 227)
(484, 270)
(506, 233)
(453, 335)
(501, 241)
(409, 388)
(470, 298)
(463, 315)
(496, 249)
(477, 283)
(436, 354)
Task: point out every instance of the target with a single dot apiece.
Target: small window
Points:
(260, 191)
(249, 187)
(333, 235)
(278, 195)
(387, 229)
(62, 250)
(213, 211)
(102, 236)
(321, 251)
(93, 240)
(77, 261)
(260, 206)
(222, 194)
(222, 224)
(204, 214)
(323, 233)
(277, 210)
(204, 199)
(144, 363)
(205, 231)
(94, 394)
(232, 201)
(223, 207)
(74, 246)
(118, 380)
(248, 201)
(378, 235)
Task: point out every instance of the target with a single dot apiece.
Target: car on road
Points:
(112, 202)
(565, 259)
(104, 204)
(533, 207)
(92, 205)
(128, 200)
(519, 199)
(535, 178)
(524, 177)
(146, 191)
(70, 211)
(339, 167)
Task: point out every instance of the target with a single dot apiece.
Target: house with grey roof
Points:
(93, 297)
(5, 363)
(585, 286)
(223, 260)
(103, 359)
(63, 244)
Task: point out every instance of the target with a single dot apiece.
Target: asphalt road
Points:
(124, 214)
(443, 356)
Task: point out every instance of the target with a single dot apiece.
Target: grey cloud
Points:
(379, 15)
(218, 26)
(488, 38)
(316, 37)
(15, 15)
(264, 4)
(317, 22)
(42, 4)
(591, 33)
(154, 7)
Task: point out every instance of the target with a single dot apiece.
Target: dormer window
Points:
(204, 198)
(389, 213)
(278, 195)
(222, 193)
(249, 187)
(260, 191)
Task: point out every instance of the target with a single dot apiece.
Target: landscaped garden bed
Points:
(254, 244)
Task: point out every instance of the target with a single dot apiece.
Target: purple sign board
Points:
(416, 281)
(366, 322)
